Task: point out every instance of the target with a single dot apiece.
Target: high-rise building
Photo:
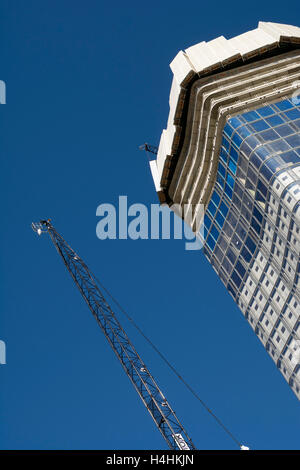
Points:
(232, 144)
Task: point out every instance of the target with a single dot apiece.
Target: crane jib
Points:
(157, 405)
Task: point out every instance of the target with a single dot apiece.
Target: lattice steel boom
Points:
(145, 385)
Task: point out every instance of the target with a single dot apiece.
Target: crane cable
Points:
(171, 367)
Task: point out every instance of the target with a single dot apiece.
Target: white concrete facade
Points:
(205, 58)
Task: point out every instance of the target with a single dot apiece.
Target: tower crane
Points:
(154, 400)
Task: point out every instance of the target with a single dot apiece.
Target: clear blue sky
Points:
(87, 83)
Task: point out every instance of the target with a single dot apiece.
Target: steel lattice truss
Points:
(145, 385)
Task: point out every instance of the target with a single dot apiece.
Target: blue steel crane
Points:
(154, 400)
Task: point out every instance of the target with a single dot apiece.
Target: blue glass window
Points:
(262, 152)
(269, 135)
(297, 123)
(234, 154)
(265, 111)
(218, 253)
(230, 180)
(216, 198)
(225, 143)
(220, 219)
(266, 172)
(235, 122)
(293, 114)
(257, 214)
(252, 142)
(255, 146)
(255, 160)
(240, 269)
(260, 125)
(262, 188)
(284, 130)
(227, 266)
(246, 255)
(212, 208)
(228, 191)
(228, 130)
(215, 232)
(283, 105)
(255, 225)
(244, 132)
(224, 155)
(290, 157)
(231, 256)
(241, 231)
(251, 116)
(250, 244)
(294, 140)
(221, 169)
(220, 180)
(279, 146)
(252, 175)
(232, 166)
(275, 120)
(232, 219)
(237, 139)
(207, 222)
(236, 279)
(223, 209)
(211, 243)
(274, 164)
